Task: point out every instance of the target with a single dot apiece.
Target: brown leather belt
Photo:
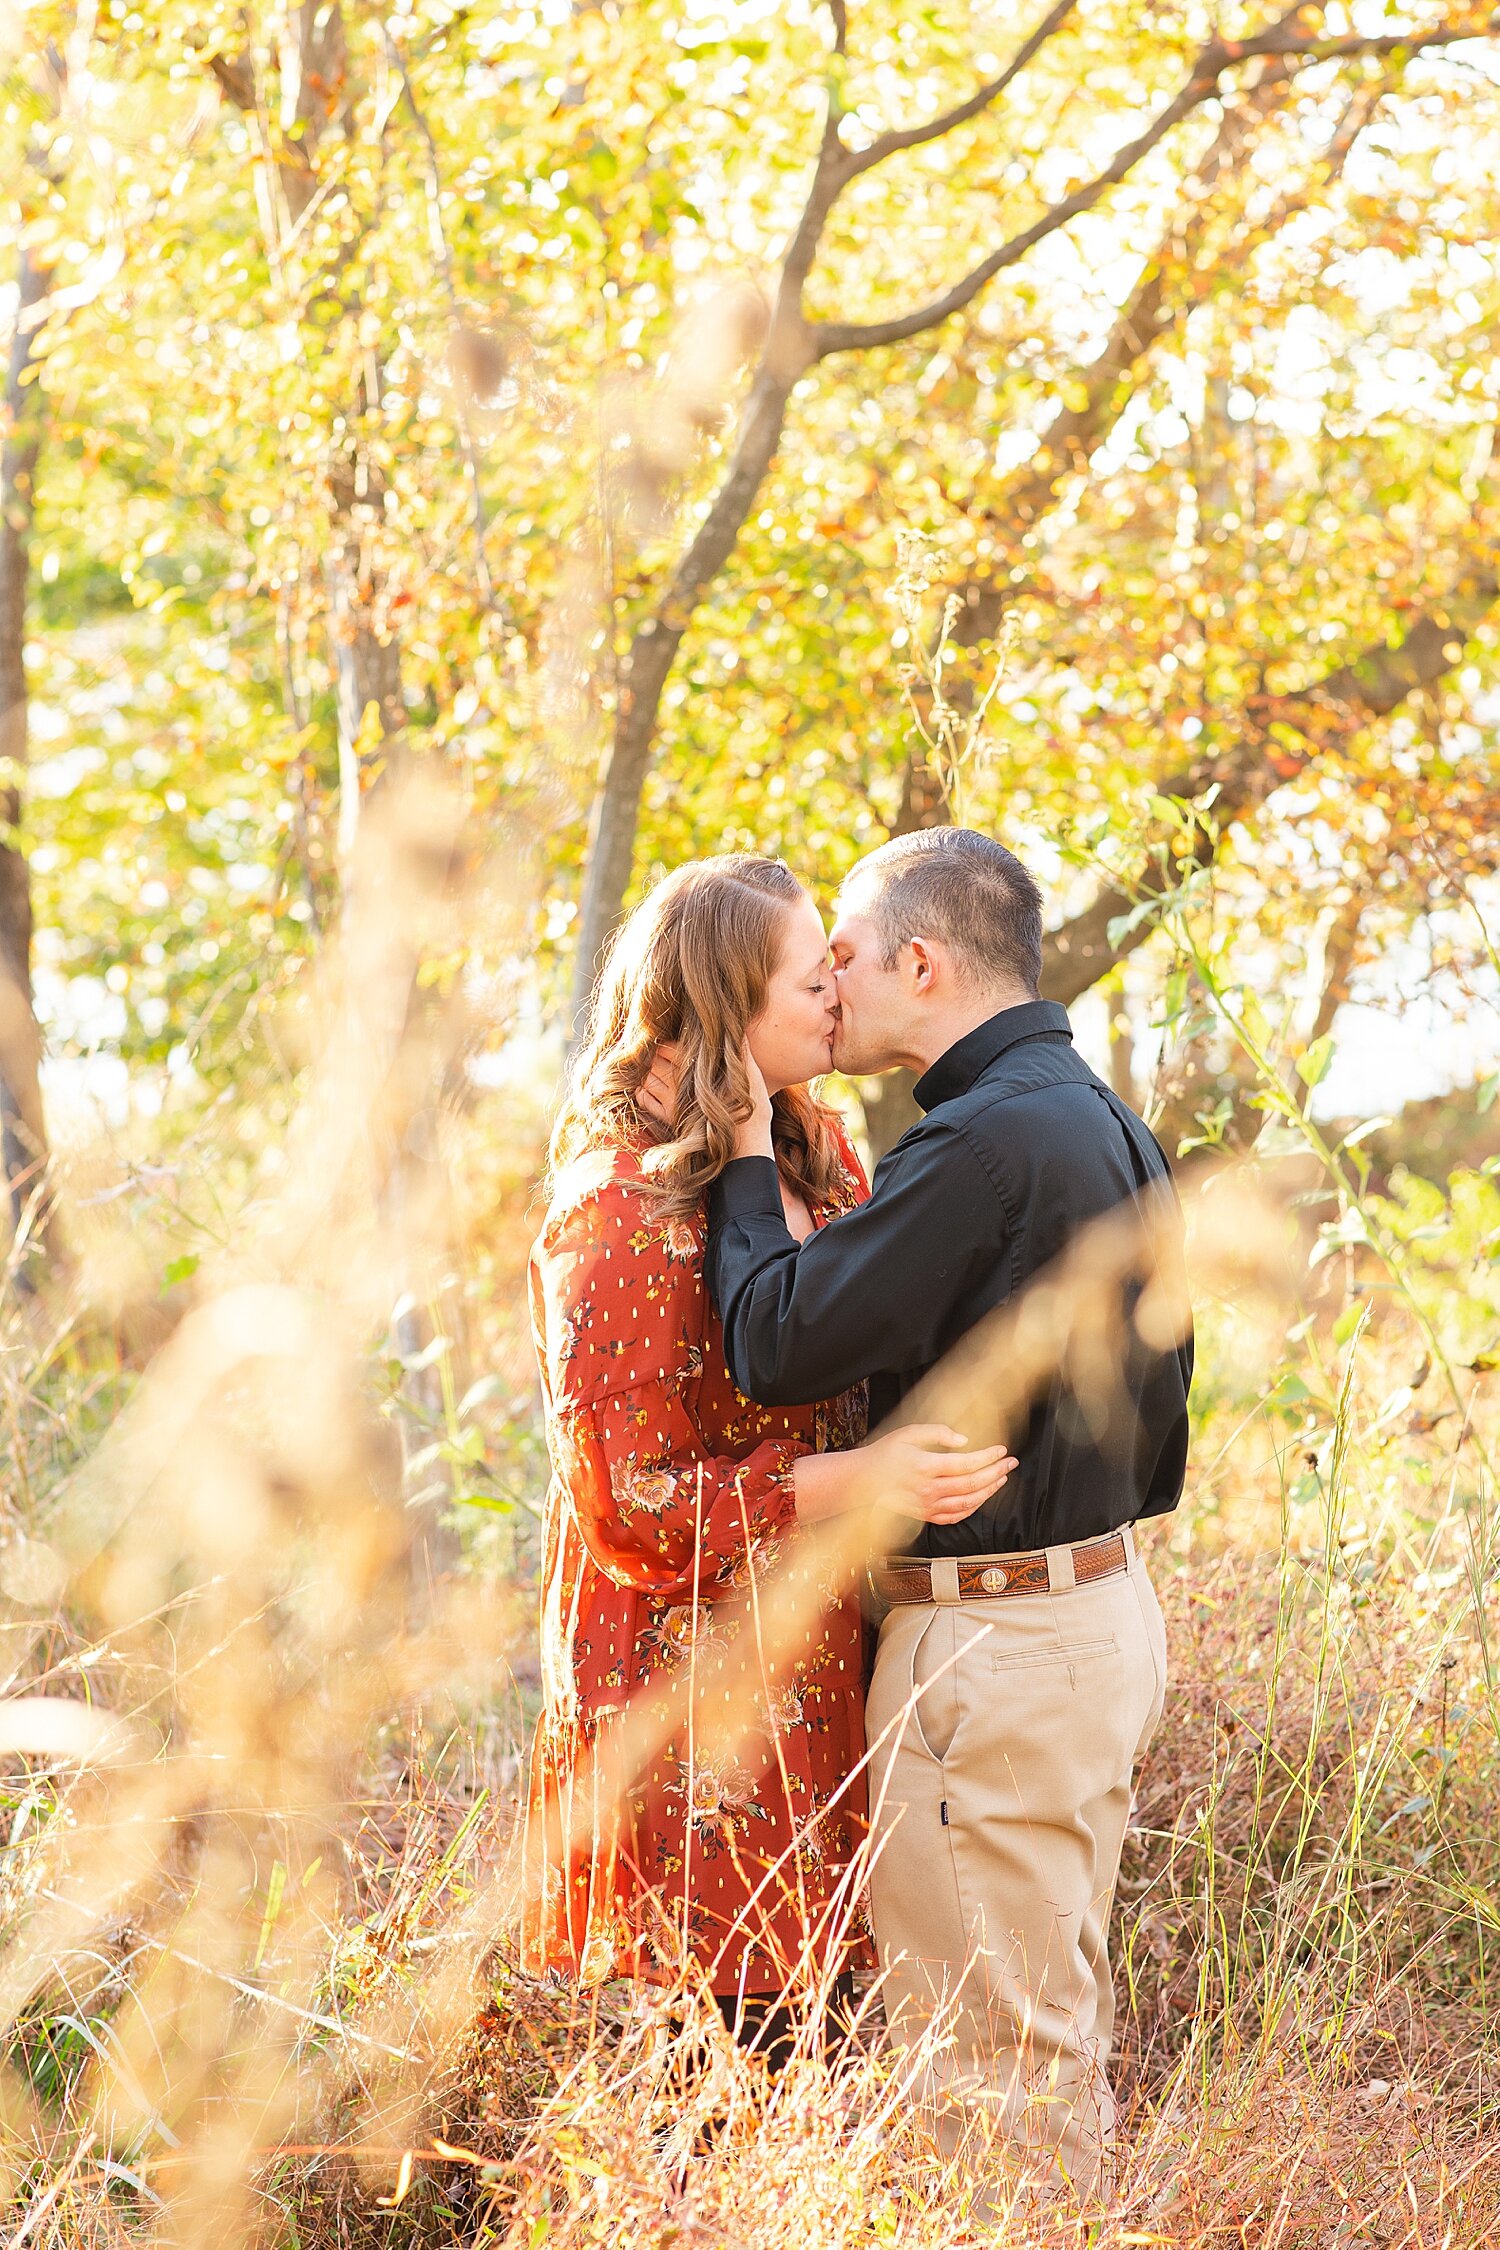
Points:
(987, 1578)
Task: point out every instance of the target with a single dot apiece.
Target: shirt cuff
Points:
(748, 1184)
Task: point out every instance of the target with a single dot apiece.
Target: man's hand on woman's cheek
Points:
(658, 1092)
(753, 1133)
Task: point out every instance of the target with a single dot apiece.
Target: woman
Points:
(728, 1833)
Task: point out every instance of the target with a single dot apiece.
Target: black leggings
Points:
(764, 2027)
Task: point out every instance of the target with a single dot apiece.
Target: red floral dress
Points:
(671, 1503)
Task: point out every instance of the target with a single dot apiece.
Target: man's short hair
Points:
(964, 889)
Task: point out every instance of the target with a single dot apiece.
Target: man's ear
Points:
(924, 964)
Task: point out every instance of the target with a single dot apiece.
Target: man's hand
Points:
(657, 1094)
(753, 1134)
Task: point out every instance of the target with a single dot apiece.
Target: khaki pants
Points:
(1002, 1736)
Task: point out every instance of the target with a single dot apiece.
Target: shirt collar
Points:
(968, 1058)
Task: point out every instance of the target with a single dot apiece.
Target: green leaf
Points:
(180, 1269)
(1254, 1020)
(1364, 1129)
(417, 1363)
(1403, 1812)
(1315, 1062)
(1123, 925)
(466, 1447)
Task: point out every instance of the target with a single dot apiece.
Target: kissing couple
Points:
(723, 1306)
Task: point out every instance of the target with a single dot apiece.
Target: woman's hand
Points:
(927, 1471)
(931, 1472)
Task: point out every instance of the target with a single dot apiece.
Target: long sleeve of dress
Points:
(624, 1314)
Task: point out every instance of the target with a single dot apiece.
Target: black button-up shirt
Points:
(1022, 1145)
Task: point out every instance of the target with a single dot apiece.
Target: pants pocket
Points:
(1065, 1652)
(1156, 1642)
(936, 1706)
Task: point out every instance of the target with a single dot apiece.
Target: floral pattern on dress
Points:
(671, 1504)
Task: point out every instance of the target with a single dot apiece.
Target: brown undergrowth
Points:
(261, 1770)
(1305, 1937)
(1293, 2080)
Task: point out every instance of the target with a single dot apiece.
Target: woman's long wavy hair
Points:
(692, 965)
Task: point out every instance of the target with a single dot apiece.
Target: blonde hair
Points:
(692, 965)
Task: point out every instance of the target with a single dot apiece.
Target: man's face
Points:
(874, 1003)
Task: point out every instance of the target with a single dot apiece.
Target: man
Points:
(1021, 1666)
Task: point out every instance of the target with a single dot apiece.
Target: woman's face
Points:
(792, 1037)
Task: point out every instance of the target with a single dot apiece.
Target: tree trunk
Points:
(313, 62)
(23, 1139)
(365, 654)
(653, 651)
(1121, 1051)
(366, 659)
(889, 1103)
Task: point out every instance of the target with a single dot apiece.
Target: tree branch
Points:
(1341, 950)
(1201, 86)
(1166, 291)
(1282, 734)
(913, 136)
(1153, 308)
(835, 336)
(438, 235)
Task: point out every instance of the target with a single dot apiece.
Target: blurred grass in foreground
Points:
(267, 1625)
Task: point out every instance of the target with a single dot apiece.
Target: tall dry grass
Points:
(267, 1643)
